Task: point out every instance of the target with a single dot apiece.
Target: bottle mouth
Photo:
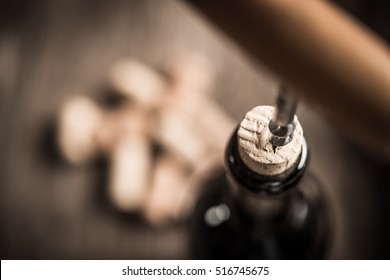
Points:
(263, 150)
(260, 184)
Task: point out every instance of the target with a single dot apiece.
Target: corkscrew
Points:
(283, 122)
(331, 59)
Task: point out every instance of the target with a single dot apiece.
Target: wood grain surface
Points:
(50, 50)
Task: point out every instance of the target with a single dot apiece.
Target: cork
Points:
(168, 182)
(255, 148)
(138, 82)
(130, 169)
(79, 119)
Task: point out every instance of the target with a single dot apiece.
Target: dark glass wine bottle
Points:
(243, 215)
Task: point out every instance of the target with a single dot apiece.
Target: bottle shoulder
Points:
(221, 229)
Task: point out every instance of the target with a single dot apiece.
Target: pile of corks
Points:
(173, 112)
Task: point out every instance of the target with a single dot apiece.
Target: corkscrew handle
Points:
(332, 60)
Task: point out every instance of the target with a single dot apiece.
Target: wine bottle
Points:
(261, 209)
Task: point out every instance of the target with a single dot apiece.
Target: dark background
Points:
(50, 50)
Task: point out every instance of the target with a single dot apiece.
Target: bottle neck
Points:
(264, 196)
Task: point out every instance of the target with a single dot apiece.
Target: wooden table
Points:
(50, 50)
